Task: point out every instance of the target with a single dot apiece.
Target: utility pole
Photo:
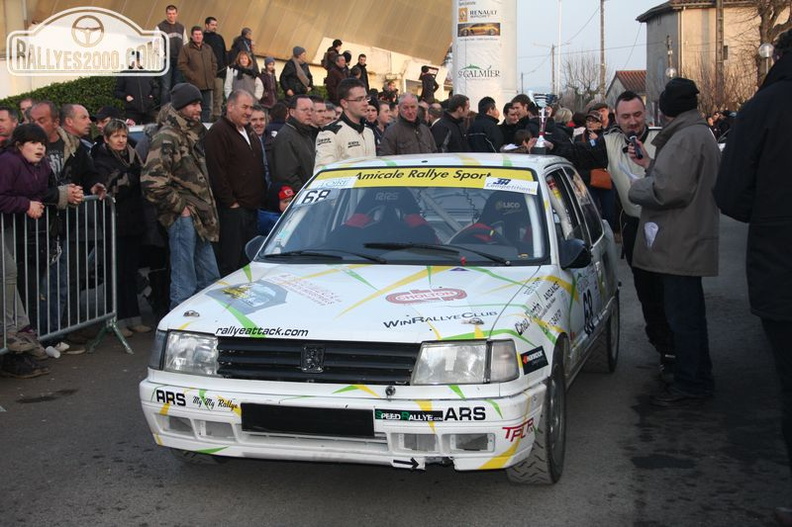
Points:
(557, 65)
(719, 43)
(602, 50)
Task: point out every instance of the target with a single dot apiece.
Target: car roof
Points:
(535, 162)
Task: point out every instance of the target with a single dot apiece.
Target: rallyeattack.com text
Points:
(234, 331)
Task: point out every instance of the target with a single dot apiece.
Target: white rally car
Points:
(404, 311)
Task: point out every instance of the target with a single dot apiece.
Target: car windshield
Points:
(492, 217)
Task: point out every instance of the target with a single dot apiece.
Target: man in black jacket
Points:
(296, 78)
(754, 186)
(449, 131)
(235, 160)
(509, 125)
(484, 135)
(217, 43)
(138, 93)
(361, 63)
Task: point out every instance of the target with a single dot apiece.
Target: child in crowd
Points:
(279, 196)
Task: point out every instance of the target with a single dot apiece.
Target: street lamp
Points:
(670, 71)
(766, 51)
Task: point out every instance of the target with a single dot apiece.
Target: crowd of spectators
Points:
(188, 199)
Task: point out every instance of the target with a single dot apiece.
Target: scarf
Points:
(301, 74)
(241, 72)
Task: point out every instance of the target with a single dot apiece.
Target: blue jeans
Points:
(193, 263)
(168, 80)
(687, 316)
(605, 199)
(54, 287)
(206, 105)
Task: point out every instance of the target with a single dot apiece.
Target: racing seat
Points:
(384, 215)
(504, 220)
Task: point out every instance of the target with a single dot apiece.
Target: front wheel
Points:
(546, 461)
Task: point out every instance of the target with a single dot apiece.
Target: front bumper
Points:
(470, 433)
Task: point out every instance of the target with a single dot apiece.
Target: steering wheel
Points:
(481, 234)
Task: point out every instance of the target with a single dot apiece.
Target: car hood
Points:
(377, 303)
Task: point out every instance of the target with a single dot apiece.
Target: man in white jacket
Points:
(349, 136)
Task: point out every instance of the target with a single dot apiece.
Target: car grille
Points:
(342, 362)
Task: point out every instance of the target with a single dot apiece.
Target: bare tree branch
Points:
(581, 76)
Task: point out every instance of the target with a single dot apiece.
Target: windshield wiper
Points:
(436, 247)
(322, 253)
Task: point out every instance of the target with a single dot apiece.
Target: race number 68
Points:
(313, 196)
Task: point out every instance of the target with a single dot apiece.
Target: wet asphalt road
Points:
(75, 449)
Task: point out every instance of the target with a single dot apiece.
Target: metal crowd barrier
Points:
(59, 272)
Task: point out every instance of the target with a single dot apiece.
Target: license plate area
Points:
(334, 422)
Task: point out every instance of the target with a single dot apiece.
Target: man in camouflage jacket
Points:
(175, 180)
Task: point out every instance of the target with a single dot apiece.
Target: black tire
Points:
(196, 458)
(605, 355)
(546, 462)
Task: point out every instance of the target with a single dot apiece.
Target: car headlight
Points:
(466, 362)
(193, 353)
(157, 350)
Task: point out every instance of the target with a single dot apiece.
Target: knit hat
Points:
(183, 94)
(267, 60)
(298, 50)
(678, 96)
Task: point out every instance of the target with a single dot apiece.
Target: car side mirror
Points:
(253, 247)
(574, 254)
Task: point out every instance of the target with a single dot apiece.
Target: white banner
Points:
(485, 49)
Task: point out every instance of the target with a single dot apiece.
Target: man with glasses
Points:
(349, 136)
(293, 151)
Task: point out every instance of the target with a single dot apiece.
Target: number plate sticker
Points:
(311, 196)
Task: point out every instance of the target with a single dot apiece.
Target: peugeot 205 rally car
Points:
(404, 311)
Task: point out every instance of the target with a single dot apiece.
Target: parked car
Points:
(404, 311)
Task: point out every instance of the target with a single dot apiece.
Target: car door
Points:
(603, 250)
(586, 298)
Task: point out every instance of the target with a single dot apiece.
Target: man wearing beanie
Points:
(296, 78)
(754, 187)
(678, 233)
(175, 179)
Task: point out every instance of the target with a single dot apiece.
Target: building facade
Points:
(682, 35)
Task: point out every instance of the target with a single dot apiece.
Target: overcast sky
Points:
(625, 38)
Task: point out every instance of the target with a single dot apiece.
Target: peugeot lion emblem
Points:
(312, 359)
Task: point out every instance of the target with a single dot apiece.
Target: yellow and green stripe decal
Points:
(500, 460)
(404, 281)
(243, 320)
(353, 387)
